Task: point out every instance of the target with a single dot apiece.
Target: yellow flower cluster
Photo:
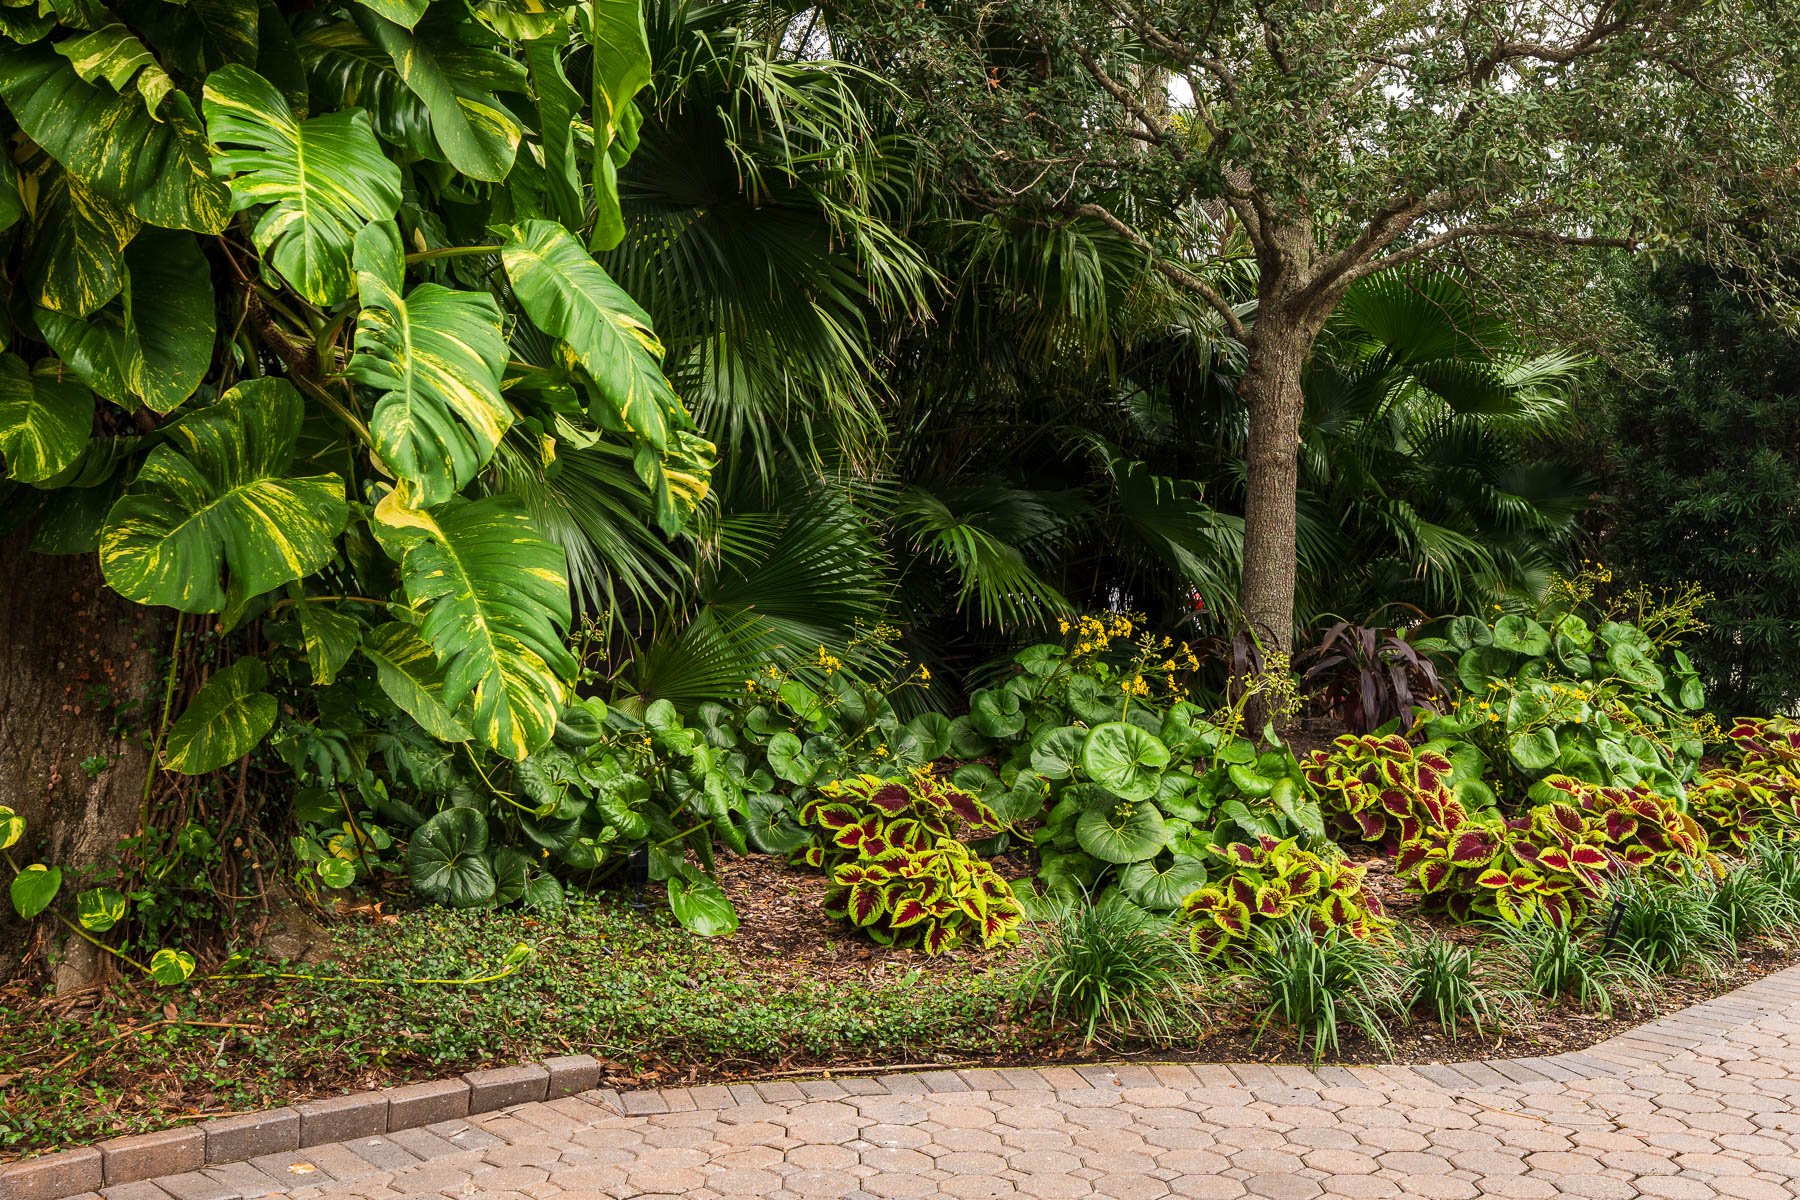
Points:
(829, 663)
(1095, 635)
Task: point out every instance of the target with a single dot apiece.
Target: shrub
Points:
(1368, 677)
(1369, 785)
(1273, 881)
(1319, 983)
(1559, 965)
(1116, 972)
(897, 869)
(1554, 861)
(1452, 984)
(1738, 808)
(1667, 927)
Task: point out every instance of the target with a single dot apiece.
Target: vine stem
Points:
(162, 726)
(450, 252)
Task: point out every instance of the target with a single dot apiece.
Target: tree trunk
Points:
(1270, 388)
(77, 666)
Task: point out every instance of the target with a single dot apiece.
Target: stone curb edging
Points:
(123, 1166)
(146, 1156)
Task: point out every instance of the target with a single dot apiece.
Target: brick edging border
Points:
(146, 1156)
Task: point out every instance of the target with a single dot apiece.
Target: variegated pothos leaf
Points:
(212, 517)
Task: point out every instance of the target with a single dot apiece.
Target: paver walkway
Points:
(1703, 1103)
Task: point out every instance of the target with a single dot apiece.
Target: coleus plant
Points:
(1269, 880)
(1738, 808)
(898, 869)
(1369, 784)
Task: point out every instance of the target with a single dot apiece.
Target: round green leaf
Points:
(1467, 632)
(1630, 663)
(170, 967)
(966, 741)
(1056, 752)
(34, 888)
(336, 873)
(447, 860)
(925, 738)
(1042, 659)
(1481, 666)
(788, 760)
(773, 829)
(1521, 635)
(225, 721)
(1534, 751)
(1093, 701)
(1125, 833)
(995, 713)
(1024, 801)
(700, 904)
(1162, 888)
(99, 909)
(1124, 759)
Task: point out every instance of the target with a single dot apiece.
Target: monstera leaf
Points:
(225, 720)
(155, 166)
(213, 503)
(475, 132)
(447, 859)
(437, 355)
(621, 50)
(496, 602)
(154, 341)
(569, 296)
(322, 179)
(44, 421)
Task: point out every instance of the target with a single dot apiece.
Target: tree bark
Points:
(77, 666)
(1271, 389)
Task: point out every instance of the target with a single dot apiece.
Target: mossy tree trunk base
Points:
(77, 669)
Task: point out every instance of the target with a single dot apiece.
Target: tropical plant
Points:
(1324, 983)
(1737, 808)
(1368, 678)
(1369, 786)
(1273, 882)
(302, 293)
(1606, 696)
(1114, 971)
(897, 866)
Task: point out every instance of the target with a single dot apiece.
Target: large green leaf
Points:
(437, 355)
(1124, 759)
(621, 56)
(114, 54)
(569, 296)
(496, 601)
(34, 888)
(559, 106)
(44, 421)
(1162, 888)
(1121, 833)
(212, 517)
(699, 904)
(322, 179)
(329, 636)
(77, 254)
(447, 859)
(405, 13)
(408, 671)
(476, 133)
(154, 341)
(12, 206)
(225, 720)
(157, 167)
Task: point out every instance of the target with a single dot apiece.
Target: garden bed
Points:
(794, 993)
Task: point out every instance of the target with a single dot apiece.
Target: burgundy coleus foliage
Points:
(1766, 743)
(1271, 880)
(1369, 786)
(898, 867)
(1737, 808)
(1553, 862)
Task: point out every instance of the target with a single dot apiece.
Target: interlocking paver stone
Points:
(1698, 1105)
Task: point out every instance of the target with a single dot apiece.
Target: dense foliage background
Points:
(555, 440)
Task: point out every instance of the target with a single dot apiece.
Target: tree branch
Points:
(1501, 230)
(1175, 272)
